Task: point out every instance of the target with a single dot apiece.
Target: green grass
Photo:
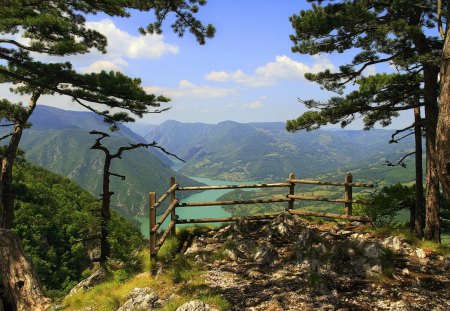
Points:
(181, 276)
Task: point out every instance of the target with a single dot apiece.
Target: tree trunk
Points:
(432, 221)
(443, 124)
(105, 248)
(19, 286)
(6, 175)
(417, 220)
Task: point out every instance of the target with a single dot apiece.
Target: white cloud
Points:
(188, 89)
(115, 65)
(121, 43)
(284, 68)
(369, 71)
(255, 104)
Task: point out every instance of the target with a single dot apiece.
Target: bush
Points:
(387, 203)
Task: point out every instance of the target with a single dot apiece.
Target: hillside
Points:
(59, 141)
(58, 224)
(266, 151)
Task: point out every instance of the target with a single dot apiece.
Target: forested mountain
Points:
(264, 151)
(59, 225)
(59, 140)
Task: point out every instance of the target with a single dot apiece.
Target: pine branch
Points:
(401, 161)
(393, 140)
(6, 136)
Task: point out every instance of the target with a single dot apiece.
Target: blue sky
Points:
(246, 73)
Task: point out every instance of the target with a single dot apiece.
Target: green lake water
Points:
(192, 212)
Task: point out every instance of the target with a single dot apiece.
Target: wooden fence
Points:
(289, 199)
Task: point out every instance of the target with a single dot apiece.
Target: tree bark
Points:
(443, 124)
(105, 248)
(19, 286)
(417, 218)
(430, 74)
(432, 220)
(6, 175)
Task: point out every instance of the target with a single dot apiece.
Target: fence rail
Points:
(290, 199)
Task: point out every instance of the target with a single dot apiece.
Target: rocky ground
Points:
(289, 264)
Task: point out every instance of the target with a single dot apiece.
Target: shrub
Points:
(387, 203)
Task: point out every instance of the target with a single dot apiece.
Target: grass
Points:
(404, 233)
(181, 276)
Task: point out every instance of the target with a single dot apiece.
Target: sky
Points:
(246, 73)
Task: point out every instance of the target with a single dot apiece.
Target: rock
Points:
(232, 255)
(307, 238)
(223, 233)
(265, 255)
(271, 305)
(372, 251)
(357, 224)
(246, 248)
(285, 226)
(96, 278)
(421, 253)
(396, 243)
(195, 305)
(141, 299)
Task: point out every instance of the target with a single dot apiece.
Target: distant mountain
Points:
(59, 141)
(141, 128)
(265, 151)
(50, 118)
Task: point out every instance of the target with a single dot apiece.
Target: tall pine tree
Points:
(395, 33)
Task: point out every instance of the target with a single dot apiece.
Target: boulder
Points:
(285, 226)
(96, 278)
(195, 305)
(266, 254)
(141, 299)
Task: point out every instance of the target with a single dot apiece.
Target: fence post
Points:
(172, 213)
(291, 191)
(152, 221)
(348, 195)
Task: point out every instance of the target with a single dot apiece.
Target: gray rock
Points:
(373, 251)
(421, 253)
(141, 299)
(246, 247)
(195, 305)
(96, 278)
(285, 226)
(265, 255)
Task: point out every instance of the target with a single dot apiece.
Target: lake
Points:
(190, 212)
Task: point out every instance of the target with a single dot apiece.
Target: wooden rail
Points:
(290, 199)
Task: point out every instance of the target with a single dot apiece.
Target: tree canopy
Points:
(58, 28)
(402, 35)
(391, 32)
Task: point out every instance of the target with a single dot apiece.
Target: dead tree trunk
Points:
(105, 248)
(19, 286)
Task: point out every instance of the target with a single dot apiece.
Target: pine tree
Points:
(58, 28)
(379, 32)
(443, 126)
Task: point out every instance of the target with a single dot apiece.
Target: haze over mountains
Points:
(266, 151)
(59, 140)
